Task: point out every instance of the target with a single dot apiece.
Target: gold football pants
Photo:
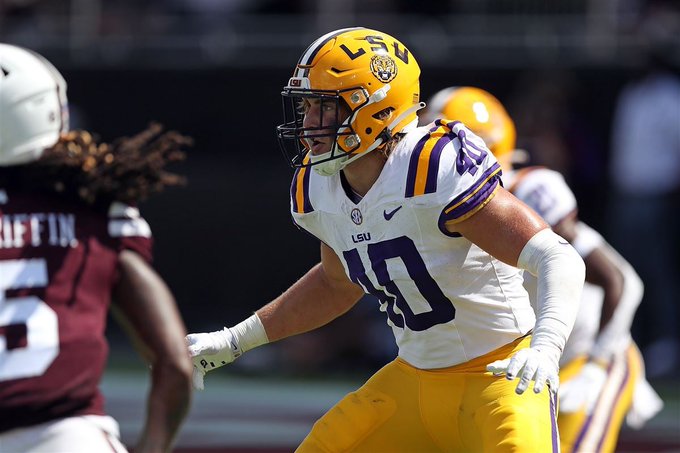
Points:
(457, 409)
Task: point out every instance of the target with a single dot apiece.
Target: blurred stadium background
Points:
(213, 69)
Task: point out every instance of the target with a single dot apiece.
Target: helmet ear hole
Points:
(384, 114)
(369, 130)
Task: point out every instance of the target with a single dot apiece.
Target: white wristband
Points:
(249, 333)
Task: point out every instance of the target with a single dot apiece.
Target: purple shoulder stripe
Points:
(474, 196)
(431, 154)
(413, 165)
(433, 165)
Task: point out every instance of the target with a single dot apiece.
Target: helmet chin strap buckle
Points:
(379, 94)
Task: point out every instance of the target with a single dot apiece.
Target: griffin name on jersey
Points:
(394, 243)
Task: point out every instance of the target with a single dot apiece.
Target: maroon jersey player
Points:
(72, 246)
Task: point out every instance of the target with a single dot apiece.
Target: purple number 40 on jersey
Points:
(442, 310)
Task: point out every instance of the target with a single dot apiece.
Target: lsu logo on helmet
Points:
(367, 73)
(383, 68)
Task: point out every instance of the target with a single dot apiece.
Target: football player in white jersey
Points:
(602, 372)
(418, 218)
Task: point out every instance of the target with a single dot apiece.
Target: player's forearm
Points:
(623, 290)
(615, 332)
(167, 406)
(603, 272)
(561, 273)
(311, 302)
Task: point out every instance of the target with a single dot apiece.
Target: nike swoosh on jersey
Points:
(389, 215)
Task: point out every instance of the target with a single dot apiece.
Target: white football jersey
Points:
(446, 300)
(544, 190)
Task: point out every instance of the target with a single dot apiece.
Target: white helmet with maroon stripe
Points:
(33, 105)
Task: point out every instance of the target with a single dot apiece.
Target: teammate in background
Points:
(602, 371)
(416, 217)
(73, 244)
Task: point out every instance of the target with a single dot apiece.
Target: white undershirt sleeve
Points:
(560, 272)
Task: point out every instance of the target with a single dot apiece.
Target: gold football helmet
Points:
(480, 111)
(373, 74)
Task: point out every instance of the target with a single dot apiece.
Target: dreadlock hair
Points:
(128, 170)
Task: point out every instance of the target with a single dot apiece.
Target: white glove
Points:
(529, 364)
(211, 350)
(582, 391)
(646, 404)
